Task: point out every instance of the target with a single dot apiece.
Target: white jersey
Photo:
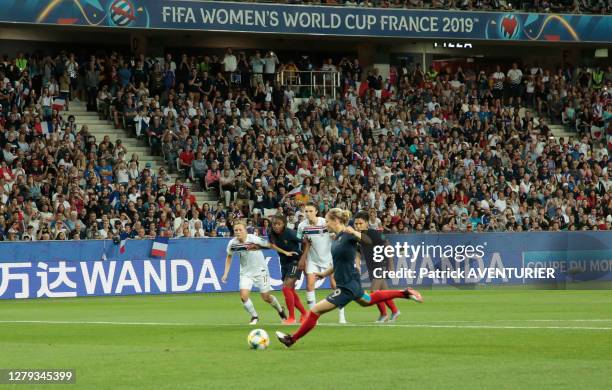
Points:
(320, 241)
(252, 259)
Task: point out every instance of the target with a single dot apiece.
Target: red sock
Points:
(298, 303)
(391, 304)
(383, 295)
(289, 300)
(307, 325)
(381, 307)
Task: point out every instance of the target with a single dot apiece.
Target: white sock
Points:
(341, 315)
(311, 298)
(275, 304)
(248, 306)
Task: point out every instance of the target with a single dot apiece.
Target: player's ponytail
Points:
(341, 215)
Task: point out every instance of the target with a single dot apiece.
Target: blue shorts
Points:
(290, 271)
(343, 295)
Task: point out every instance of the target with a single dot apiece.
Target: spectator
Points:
(230, 63)
(498, 78)
(270, 64)
(213, 175)
(199, 168)
(515, 80)
(227, 184)
(186, 158)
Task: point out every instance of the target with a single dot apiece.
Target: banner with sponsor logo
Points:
(59, 269)
(97, 267)
(311, 20)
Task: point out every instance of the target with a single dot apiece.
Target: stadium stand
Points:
(183, 145)
(544, 6)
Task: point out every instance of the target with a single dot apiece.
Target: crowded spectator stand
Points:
(445, 149)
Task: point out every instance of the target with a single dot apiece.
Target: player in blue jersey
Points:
(253, 269)
(344, 251)
(376, 269)
(287, 239)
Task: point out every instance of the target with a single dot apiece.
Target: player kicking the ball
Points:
(344, 252)
(316, 256)
(287, 240)
(376, 270)
(253, 269)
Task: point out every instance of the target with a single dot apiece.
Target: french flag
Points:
(123, 237)
(46, 128)
(43, 128)
(295, 191)
(160, 247)
(58, 104)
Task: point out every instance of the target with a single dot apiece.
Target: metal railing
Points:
(316, 82)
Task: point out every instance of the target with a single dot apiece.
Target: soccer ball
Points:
(258, 339)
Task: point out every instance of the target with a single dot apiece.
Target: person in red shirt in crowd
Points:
(188, 196)
(592, 200)
(178, 188)
(441, 198)
(185, 160)
(462, 198)
(6, 172)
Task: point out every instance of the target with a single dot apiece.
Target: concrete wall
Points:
(16, 38)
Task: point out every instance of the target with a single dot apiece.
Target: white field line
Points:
(515, 320)
(477, 325)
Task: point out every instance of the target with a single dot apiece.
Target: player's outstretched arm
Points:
(324, 274)
(305, 248)
(361, 236)
(282, 251)
(228, 264)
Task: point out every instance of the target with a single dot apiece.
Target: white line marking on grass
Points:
(575, 320)
(497, 321)
(103, 323)
(473, 326)
(356, 325)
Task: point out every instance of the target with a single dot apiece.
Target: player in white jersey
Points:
(316, 253)
(253, 269)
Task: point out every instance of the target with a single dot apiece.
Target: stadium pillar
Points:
(374, 55)
(138, 43)
(365, 54)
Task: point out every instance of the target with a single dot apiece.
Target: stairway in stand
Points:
(100, 128)
(561, 131)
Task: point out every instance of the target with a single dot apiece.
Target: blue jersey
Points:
(344, 252)
(288, 241)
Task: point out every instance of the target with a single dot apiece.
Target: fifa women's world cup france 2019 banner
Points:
(320, 20)
(59, 269)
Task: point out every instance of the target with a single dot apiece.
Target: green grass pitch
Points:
(457, 339)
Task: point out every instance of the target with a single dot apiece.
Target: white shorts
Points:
(312, 267)
(262, 282)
